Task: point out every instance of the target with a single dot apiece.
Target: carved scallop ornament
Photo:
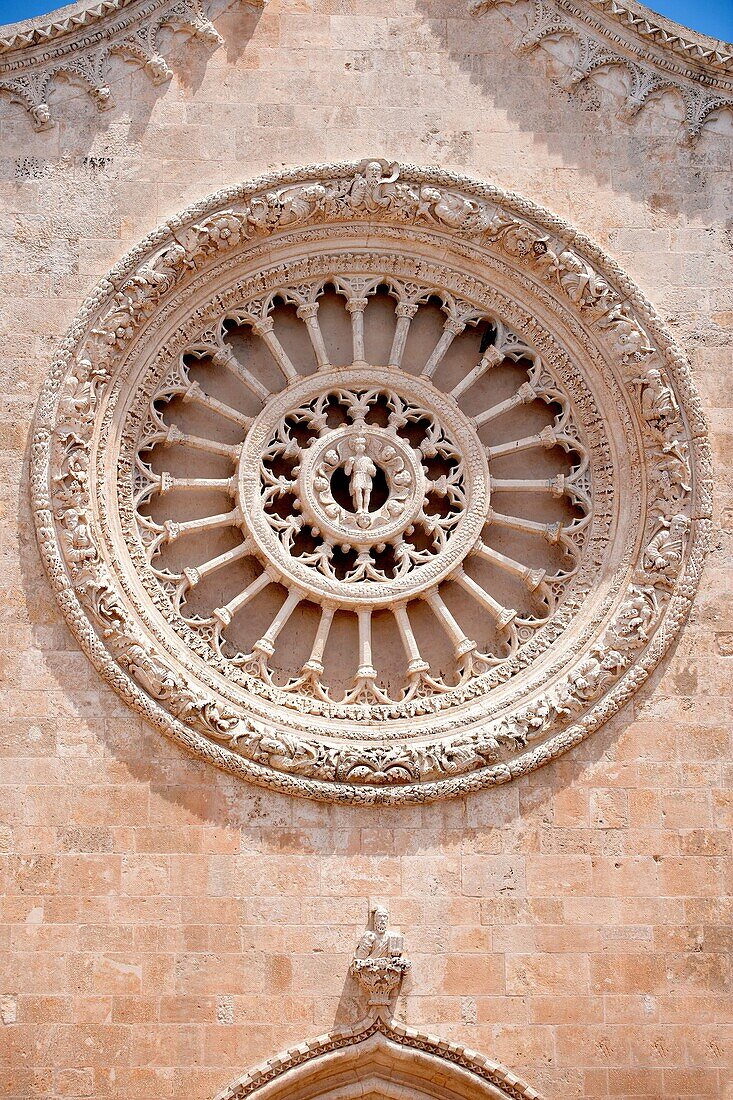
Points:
(371, 483)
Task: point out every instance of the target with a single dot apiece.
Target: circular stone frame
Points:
(549, 267)
(373, 593)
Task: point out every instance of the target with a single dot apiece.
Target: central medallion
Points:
(354, 485)
(358, 484)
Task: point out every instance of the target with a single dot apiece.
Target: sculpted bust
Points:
(378, 942)
(379, 963)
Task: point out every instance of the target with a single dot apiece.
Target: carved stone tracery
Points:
(367, 501)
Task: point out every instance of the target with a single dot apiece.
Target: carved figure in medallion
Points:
(361, 472)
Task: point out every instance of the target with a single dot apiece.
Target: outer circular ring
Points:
(541, 247)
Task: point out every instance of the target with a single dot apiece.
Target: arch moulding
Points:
(379, 1059)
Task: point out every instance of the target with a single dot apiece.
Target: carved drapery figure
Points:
(379, 963)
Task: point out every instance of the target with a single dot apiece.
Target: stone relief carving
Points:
(379, 962)
(650, 52)
(78, 45)
(599, 597)
(378, 1056)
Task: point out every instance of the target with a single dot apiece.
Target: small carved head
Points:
(159, 69)
(380, 920)
(41, 116)
(102, 96)
(430, 194)
(679, 524)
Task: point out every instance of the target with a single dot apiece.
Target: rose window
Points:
(362, 495)
(368, 486)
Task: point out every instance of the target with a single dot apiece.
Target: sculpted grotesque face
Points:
(679, 526)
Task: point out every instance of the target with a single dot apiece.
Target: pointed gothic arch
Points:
(379, 1060)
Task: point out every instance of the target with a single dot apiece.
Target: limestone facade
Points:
(168, 923)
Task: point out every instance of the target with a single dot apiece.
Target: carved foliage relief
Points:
(371, 483)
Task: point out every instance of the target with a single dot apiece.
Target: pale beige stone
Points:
(165, 925)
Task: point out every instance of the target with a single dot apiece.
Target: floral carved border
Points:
(653, 55)
(675, 530)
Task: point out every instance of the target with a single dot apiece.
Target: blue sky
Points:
(714, 17)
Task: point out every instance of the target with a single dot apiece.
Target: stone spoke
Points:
(416, 663)
(555, 486)
(226, 613)
(266, 644)
(225, 357)
(451, 329)
(503, 616)
(547, 438)
(486, 362)
(169, 482)
(532, 578)
(551, 532)
(200, 443)
(175, 530)
(309, 314)
(404, 312)
(264, 329)
(462, 644)
(355, 307)
(195, 394)
(524, 395)
(193, 575)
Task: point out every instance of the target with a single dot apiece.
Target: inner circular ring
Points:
(360, 486)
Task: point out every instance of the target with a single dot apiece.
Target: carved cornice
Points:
(77, 46)
(694, 47)
(656, 55)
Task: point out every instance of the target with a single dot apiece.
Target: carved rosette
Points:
(371, 483)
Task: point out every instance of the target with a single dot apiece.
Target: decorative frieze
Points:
(78, 45)
(651, 53)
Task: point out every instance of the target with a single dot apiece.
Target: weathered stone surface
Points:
(164, 925)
